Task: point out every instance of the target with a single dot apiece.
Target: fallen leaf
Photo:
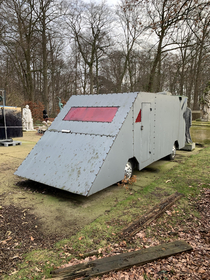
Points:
(201, 270)
(37, 269)
(141, 234)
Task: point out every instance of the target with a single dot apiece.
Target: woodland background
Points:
(58, 48)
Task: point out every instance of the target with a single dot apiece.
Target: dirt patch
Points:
(159, 193)
(20, 232)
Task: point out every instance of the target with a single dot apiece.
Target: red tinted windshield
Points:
(91, 114)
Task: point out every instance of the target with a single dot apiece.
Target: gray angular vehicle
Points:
(96, 140)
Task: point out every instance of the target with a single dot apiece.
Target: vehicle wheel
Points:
(173, 153)
(128, 170)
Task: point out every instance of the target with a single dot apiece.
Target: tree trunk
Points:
(44, 57)
(91, 78)
(29, 80)
(152, 77)
(196, 105)
(53, 97)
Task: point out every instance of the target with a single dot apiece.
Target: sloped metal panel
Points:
(67, 161)
(122, 100)
(113, 167)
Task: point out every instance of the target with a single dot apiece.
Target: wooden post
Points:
(119, 262)
(151, 215)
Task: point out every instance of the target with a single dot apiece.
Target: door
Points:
(145, 132)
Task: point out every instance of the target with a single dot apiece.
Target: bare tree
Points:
(19, 40)
(103, 56)
(89, 24)
(202, 33)
(113, 69)
(165, 15)
(131, 18)
(1, 22)
(47, 13)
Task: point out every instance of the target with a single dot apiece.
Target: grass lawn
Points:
(189, 176)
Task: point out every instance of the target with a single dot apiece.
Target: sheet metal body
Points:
(84, 151)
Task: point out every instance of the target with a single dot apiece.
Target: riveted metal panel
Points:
(169, 123)
(122, 100)
(164, 124)
(67, 161)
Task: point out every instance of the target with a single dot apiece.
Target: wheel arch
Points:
(134, 162)
(176, 143)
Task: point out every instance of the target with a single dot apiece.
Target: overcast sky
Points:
(109, 2)
(112, 2)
